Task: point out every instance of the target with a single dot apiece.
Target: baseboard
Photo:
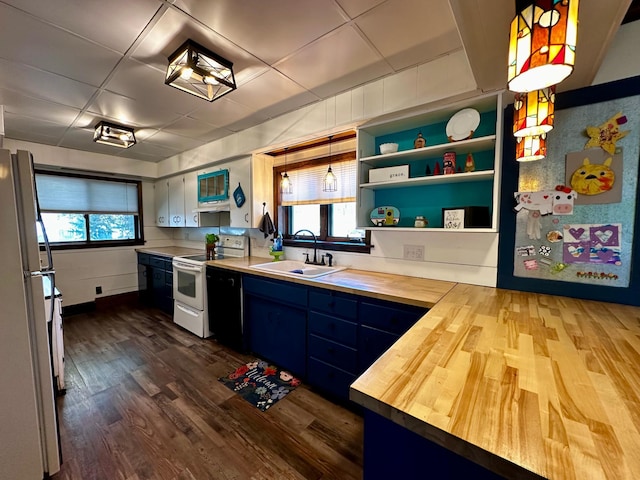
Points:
(100, 303)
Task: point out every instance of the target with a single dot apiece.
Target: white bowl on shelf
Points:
(388, 148)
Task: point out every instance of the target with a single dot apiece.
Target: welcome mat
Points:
(260, 383)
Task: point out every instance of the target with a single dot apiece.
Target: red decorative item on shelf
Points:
(436, 169)
(449, 163)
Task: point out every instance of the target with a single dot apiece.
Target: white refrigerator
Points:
(29, 444)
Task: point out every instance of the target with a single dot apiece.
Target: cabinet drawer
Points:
(333, 328)
(333, 353)
(160, 262)
(390, 317)
(275, 290)
(371, 344)
(144, 258)
(329, 302)
(330, 379)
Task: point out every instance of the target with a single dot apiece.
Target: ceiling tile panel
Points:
(87, 18)
(40, 109)
(34, 43)
(270, 30)
(48, 86)
(33, 129)
(340, 61)
(225, 112)
(408, 32)
(128, 111)
(358, 7)
(172, 141)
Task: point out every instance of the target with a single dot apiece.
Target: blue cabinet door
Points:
(277, 333)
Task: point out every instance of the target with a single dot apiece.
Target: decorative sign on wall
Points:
(454, 218)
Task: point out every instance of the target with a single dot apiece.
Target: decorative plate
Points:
(462, 125)
(385, 216)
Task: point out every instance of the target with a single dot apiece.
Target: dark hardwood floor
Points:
(143, 401)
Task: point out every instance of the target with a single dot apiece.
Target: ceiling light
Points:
(542, 43)
(533, 112)
(532, 148)
(112, 134)
(330, 182)
(286, 187)
(200, 72)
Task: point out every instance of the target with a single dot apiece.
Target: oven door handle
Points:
(187, 267)
(187, 311)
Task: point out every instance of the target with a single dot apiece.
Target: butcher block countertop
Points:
(549, 383)
(421, 292)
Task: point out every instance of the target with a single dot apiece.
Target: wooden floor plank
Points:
(144, 402)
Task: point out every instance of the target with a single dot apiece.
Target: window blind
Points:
(57, 193)
(307, 184)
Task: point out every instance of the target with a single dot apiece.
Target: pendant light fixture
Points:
(197, 70)
(286, 187)
(533, 112)
(542, 43)
(529, 149)
(330, 182)
(114, 135)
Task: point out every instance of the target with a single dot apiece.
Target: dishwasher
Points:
(224, 293)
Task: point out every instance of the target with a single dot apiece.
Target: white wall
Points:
(622, 60)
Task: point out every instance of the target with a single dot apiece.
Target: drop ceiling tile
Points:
(145, 84)
(227, 113)
(36, 83)
(89, 63)
(126, 19)
(273, 32)
(340, 61)
(130, 112)
(38, 109)
(173, 142)
(175, 27)
(188, 127)
(408, 32)
(358, 7)
(272, 94)
(32, 129)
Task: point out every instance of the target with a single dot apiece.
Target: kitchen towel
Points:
(266, 225)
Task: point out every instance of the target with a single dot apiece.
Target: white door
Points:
(191, 199)
(176, 202)
(161, 193)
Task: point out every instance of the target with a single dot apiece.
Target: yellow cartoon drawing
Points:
(593, 179)
(607, 134)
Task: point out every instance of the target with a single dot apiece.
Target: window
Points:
(331, 216)
(81, 211)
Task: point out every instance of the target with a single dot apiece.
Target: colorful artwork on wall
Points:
(592, 243)
(595, 175)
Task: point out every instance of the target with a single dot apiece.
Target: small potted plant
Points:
(210, 240)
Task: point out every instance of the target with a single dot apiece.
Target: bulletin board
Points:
(568, 222)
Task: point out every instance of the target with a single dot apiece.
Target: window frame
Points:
(138, 218)
(324, 240)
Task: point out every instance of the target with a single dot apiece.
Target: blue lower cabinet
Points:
(329, 378)
(372, 343)
(277, 333)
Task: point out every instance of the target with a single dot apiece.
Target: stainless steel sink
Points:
(294, 268)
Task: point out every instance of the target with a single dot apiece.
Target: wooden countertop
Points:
(549, 383)
(170, 251)
(421, 292)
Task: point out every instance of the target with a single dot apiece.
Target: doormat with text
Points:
(260, 383)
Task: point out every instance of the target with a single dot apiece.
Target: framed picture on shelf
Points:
(453, 218)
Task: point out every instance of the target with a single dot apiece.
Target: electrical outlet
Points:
(98, 290)
(413, 252)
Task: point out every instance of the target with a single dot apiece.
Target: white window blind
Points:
(307, 184)
(62, 194)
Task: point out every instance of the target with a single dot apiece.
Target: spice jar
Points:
(420, 222)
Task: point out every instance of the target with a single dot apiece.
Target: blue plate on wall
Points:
(385, 216)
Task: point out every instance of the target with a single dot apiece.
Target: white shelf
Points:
(432, 180)
(413, 229)
(462, 147)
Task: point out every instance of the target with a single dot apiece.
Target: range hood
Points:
(213, 207)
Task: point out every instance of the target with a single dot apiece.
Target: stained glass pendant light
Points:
(286, 187)
(196, 70)
(330, 182)
(533, 148)
(533, 112)
(542, 43)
